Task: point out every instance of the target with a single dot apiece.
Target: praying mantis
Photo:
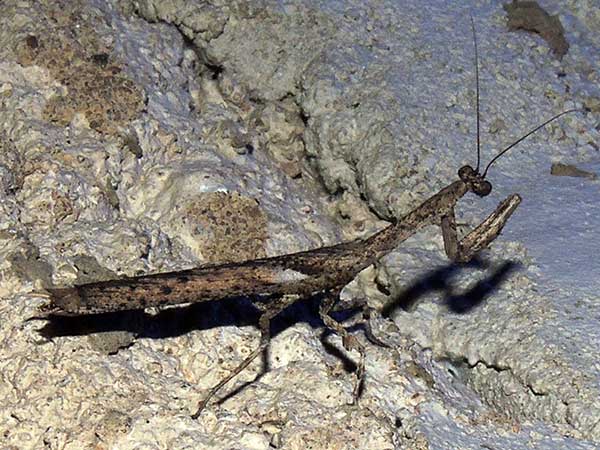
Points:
(275, 283)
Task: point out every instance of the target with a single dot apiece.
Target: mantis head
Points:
(474, 181)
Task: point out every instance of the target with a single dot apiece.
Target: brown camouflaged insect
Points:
(275, 283)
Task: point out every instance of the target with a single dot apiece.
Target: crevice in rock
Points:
(500, 388)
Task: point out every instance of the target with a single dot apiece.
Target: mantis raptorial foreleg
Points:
(481, 236)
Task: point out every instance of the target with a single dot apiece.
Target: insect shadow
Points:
(439, 280)
(240, 311)
(434, 281)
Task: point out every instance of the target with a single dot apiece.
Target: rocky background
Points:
(147, 136)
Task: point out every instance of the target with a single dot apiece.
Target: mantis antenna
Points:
(539, 127)
(495, 158)
(477, 92)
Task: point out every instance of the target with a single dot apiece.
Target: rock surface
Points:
(148, 136)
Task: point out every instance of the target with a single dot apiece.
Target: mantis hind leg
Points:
(481, 236)
(269, 311)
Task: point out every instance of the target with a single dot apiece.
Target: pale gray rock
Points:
(131, 131)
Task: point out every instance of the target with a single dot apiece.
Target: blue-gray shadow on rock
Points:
(440, 280)
(240, 311)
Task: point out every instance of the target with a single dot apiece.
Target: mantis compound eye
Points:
(482, 188)
(466, 173)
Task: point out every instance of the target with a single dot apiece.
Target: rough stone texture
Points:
(235, 98)
(225, 227)
(79, 61)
